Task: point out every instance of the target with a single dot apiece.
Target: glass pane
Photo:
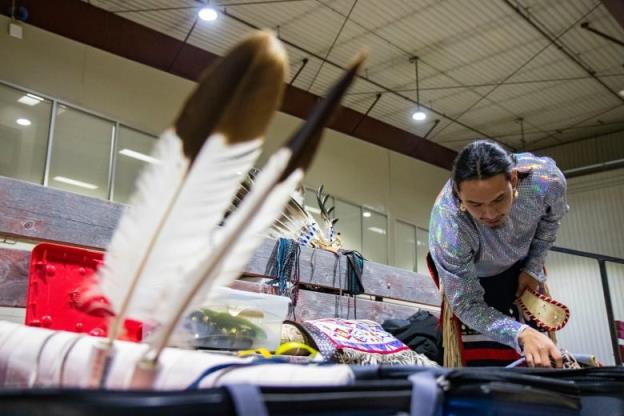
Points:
(24, 124)
(349, 225)
(422, 248)
(80, 153)
(133, 154)
(375, 236)
(405, 246)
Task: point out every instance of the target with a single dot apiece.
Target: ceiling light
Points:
(138, 155)
(366, 214)
(23, 122)
(74, 182)
(419, 115)
(30, 99)
(208, 14)
(621, 93)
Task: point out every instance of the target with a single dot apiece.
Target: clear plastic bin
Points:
(237, 320)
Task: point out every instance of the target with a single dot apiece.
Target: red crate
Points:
(56, 278)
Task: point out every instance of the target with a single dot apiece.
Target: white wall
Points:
(595, 224)
(148, 99)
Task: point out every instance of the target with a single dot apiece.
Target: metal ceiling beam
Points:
(603, 35)
(382, 88)
(616, 8)
(96, 27)
(562, 48)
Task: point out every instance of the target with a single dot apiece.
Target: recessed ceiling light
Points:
(208, 14)
(366, 214)
(138, 155)
(74, 182)
(23, 122)
(419, 115)
(30, 99)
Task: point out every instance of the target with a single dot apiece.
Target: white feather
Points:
(204, 197)
(155, 189)
(235, 242)
(234, 263)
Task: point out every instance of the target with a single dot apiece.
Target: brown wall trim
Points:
(616, 8)
(96, 27)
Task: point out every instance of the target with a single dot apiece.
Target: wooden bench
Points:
(32, 213)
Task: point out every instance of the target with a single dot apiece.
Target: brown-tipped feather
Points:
(237, 96)
(305, 141)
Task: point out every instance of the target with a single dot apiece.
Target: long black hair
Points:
(482, 159)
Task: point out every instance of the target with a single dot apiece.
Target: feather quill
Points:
(243, 230)
(151, 250)
(179, 200)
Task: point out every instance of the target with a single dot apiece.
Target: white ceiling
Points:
(480, 63)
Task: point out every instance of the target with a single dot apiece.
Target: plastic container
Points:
(56, 278)
(237, 320)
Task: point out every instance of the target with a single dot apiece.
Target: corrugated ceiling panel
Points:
(460, 42)
(550, 64)
(452, 103)
(535, 99)
(600, 55)
(492, 119)
(381, 56)
(448, 133)
(305, 77)
(315, 31)
(496, 34)
(557, 15)
(341, 7)
(270, 16)
(219, 36)
(397, 112)
(389, 105)
(615, 83)
(595, 51)
(377, 15)
(574, 113)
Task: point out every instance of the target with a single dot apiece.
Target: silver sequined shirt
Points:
(464, 250)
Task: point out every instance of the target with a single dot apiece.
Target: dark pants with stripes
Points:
(500, 293)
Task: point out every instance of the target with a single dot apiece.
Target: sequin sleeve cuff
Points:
(536, 273)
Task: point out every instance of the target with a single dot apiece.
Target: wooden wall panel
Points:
(46, 214)
(13, 277)
(39, 213)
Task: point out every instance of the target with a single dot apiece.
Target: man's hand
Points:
(539, 349)
(526, 280)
